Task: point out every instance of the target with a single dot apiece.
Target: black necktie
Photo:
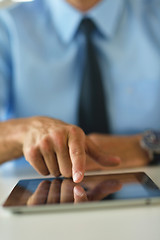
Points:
(92, 110)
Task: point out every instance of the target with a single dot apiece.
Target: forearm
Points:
(11, 134)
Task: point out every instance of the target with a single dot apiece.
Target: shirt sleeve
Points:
(5, 71)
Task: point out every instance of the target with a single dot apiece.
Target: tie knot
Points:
(87, 26)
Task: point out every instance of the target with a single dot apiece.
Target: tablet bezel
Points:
(86, 205)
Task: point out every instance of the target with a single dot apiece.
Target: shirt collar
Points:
(67, 19)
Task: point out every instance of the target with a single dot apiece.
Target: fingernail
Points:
(116, 159)
(77, 176)
(78, 192)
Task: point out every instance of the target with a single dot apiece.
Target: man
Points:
(41, 63)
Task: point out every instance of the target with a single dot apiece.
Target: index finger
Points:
(76, 144)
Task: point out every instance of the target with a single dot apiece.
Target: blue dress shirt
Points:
(42, 53)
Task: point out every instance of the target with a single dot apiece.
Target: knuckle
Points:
(45, 144)
(59, 138)
(31, 153)
(55, 173)
(78, 152)
(76, 131)
(44, 172)
(66, 173)
(57, 133)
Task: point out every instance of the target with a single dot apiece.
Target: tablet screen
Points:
(51, 191)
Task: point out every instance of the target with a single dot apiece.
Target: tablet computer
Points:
(98, 191)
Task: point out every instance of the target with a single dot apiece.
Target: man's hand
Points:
(126, 147)
(54, 147)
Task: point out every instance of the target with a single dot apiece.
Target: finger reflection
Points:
(66, 191)
(79, 195)
(40, 195)
(103, 189)
(54, 192)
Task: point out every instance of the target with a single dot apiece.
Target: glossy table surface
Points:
(141, 222)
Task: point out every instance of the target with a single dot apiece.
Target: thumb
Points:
(100, 156)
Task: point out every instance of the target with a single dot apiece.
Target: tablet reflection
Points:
(66, 191)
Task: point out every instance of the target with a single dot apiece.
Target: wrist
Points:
(16, 129)
(11, 139)
(150, 142)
